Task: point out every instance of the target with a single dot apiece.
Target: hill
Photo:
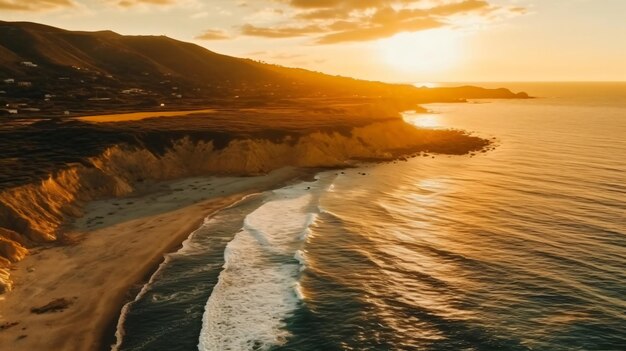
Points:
(50, 70)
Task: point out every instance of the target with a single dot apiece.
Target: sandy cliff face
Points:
(11, 250)
(33, 213)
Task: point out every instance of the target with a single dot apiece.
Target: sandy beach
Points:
(67, 297)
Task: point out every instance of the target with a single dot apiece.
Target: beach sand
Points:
(80, 287)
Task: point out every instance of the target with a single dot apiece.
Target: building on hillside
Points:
(28, 64)
(30, 109)
(133, 91)
(9, 81)
(25, 84)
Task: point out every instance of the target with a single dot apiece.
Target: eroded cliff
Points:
(34, 213)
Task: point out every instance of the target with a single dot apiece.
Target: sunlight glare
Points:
(423, 120)
(421, 52)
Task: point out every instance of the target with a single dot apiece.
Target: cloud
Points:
(337, 21)
(199, 15)
(132, 3)
(256, 53)
(286, 56)
(282, 32)
(213, 34)
(265, 15)
(459, 7)
(354, 4)
(34, 5)
(518, 9)
(149, 5)
(380, 31)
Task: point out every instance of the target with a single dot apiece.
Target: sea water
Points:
(521, 248)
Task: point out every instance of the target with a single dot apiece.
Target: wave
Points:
(258, 286)
(33, 213)
(188, 247)
(120, 332)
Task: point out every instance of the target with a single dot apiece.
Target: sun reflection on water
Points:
(423, 120)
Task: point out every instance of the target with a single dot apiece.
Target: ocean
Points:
(519, 248)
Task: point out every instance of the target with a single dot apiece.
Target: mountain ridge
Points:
(84, 69)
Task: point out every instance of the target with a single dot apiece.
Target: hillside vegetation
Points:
(55, 70)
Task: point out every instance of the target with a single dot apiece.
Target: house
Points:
(132, 91)
(24, 84)
(28, 64)
(30, 109)
(9, 81)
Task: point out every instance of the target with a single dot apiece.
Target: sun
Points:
(422, 52)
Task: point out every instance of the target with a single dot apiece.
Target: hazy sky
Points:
(390, 40)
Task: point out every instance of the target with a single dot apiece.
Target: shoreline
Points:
(107, 262)
(110, 339)
(96, 264)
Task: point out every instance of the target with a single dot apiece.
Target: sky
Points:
(387, 40)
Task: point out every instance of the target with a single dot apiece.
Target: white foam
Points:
(306, 233)
(120, 332)
(188, 247)
(258, 287)
(301, 258)
(299, 291)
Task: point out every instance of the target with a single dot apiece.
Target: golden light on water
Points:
(425, 51)
(423, 120)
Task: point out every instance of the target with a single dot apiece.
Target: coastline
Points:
(75, 287)
(109, 253)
